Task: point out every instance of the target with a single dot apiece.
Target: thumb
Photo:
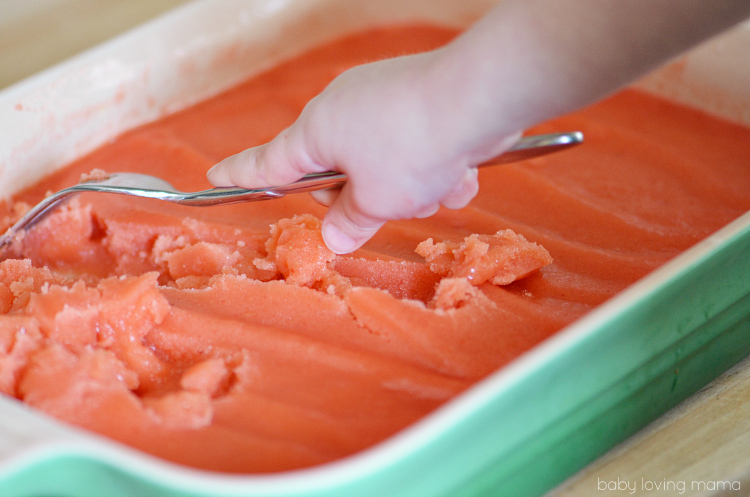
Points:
(276, 163)
(345, 227)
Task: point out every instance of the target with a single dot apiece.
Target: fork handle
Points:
(525, 148)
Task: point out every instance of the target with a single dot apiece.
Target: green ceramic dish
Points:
(517, 433)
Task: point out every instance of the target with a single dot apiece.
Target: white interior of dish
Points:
(208, 45)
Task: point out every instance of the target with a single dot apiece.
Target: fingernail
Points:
(337, 241)
(214, 175)
(219, 174)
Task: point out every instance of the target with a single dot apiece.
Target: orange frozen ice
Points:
(230, 338)
(501, 258)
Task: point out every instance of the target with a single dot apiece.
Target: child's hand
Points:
(407, 131)
(404, 152)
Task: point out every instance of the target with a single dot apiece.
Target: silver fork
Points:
(144, 185)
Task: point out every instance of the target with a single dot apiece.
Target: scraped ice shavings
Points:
(501, 258)
(72, 330)
(296, 250)
(94, 175)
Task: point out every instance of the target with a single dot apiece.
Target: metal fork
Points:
(144, 185)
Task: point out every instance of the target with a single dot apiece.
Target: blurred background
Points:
(35, 34)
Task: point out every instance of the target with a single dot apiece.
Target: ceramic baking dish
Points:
(623, 364)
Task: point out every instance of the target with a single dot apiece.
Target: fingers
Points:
(225, 172)
(326, 197)
(463, 192)
(427, 211)
(278, 162)
(345, 227)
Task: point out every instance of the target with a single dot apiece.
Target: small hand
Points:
(377, 124)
